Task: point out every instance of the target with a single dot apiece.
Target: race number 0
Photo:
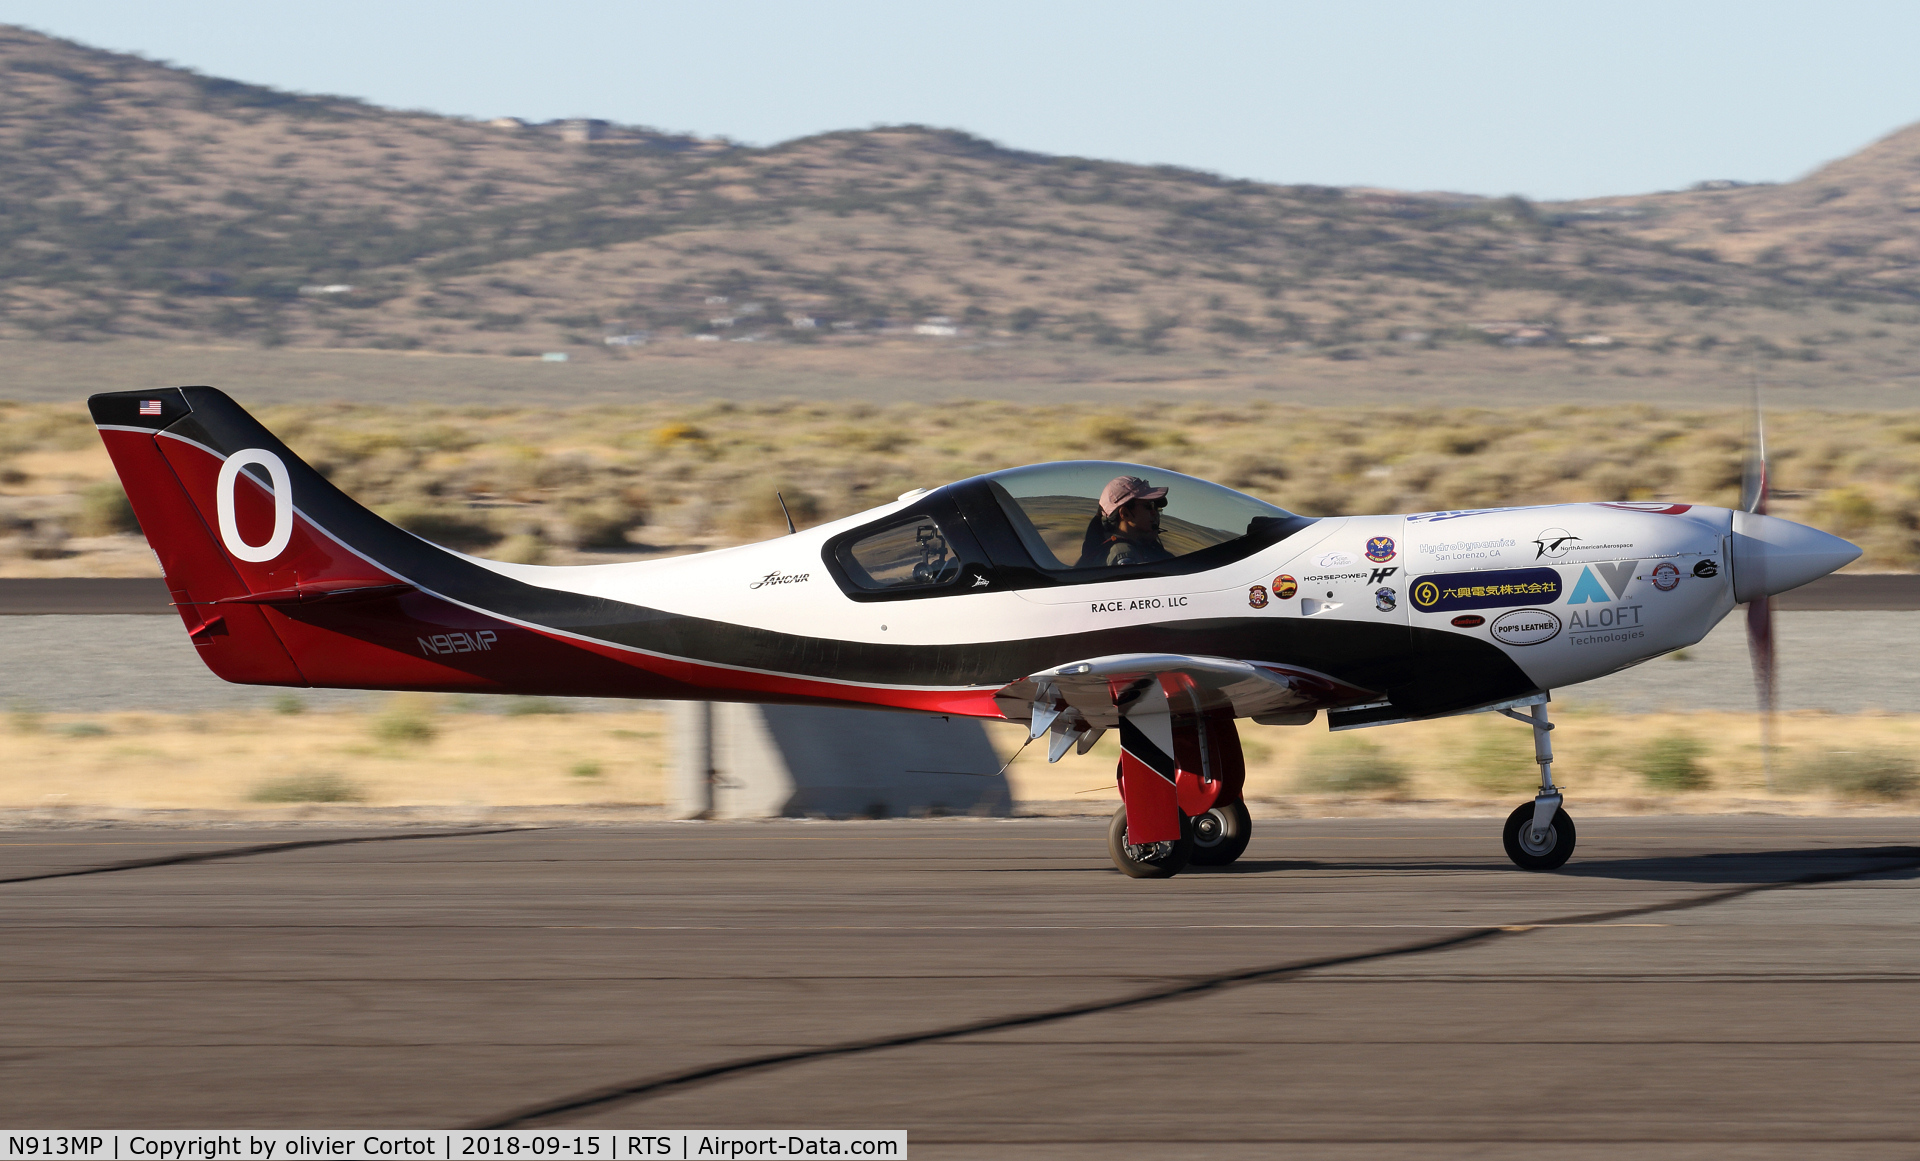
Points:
(282, 505)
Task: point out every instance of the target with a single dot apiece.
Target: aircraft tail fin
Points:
(242, 526)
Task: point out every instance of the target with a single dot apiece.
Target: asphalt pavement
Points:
(1687, 987)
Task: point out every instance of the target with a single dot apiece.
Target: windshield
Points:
(1057, 512)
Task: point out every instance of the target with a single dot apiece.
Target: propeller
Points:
(1753, 498)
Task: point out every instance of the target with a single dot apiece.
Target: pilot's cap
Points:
(1126, 489)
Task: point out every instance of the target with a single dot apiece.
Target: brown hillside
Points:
(1852, 222)
(140, 200)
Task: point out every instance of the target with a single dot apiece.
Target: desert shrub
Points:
(104, 510)
(586, 770)
(453, 527)
(84, 730)
(520, 548)
(1873, 773)
(25, 720)
(289, 703)
(519, 707)
(306, 787)
(1116, 432)
(669, 435)
(1501, 760)
(1672, 762)
(1350, 766)
(758, 509)
(603, 523)
(407, 719)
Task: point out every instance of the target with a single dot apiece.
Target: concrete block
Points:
(774, 761)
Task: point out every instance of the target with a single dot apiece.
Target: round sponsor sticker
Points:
(1666, 575)
(1385, 600)
(1380, 549)
(1284, 587)
(1525, 627)
(1257, 596)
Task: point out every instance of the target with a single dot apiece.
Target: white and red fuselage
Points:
(965, 599)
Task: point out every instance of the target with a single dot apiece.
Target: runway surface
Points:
(1686, 988)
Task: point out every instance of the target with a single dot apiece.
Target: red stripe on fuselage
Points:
(422, 640)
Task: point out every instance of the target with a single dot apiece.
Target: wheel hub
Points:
(1148, 852)
(1544, 843)
(1209, 829)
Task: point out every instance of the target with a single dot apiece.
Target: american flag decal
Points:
(149, 407)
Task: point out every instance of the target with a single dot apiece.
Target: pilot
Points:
(1127, 531)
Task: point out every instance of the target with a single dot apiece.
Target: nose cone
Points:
(1771, 555)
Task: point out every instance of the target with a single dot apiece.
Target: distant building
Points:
(554, 357)
(801, 322)
(943, 330)
(506, 123)
(330, 288)
(635, 339)
(582, 129)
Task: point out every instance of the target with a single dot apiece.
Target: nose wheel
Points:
(1539, 836)
(1535, 849)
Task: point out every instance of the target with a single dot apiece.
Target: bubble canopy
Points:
(1055, 510)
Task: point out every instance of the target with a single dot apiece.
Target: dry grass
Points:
(601, 483)
(1486, 762)
(255, 760)
(267, 764)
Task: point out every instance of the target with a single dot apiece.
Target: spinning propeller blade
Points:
(1753, 498)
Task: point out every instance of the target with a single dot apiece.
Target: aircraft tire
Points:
(1221, 835)
(1162, 866)
(1524, 853)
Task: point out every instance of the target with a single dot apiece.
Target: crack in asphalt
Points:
(1901, 859)
(257, 849)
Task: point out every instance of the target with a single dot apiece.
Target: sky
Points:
(1546, 100)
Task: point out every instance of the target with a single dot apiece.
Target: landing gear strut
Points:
(1538, 835)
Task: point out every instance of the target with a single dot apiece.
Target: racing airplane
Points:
(1076, 597)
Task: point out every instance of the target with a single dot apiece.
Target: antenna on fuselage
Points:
(783, 511)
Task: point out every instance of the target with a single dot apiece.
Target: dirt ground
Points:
(425, 758)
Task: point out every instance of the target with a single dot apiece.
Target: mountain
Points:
(138, 199)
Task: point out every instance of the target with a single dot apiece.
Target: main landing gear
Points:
(1538, 835)
(1181, 776)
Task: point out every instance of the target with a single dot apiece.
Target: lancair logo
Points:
(780, 578)
(1525, 627)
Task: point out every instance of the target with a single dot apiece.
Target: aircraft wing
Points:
(1083, 699)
